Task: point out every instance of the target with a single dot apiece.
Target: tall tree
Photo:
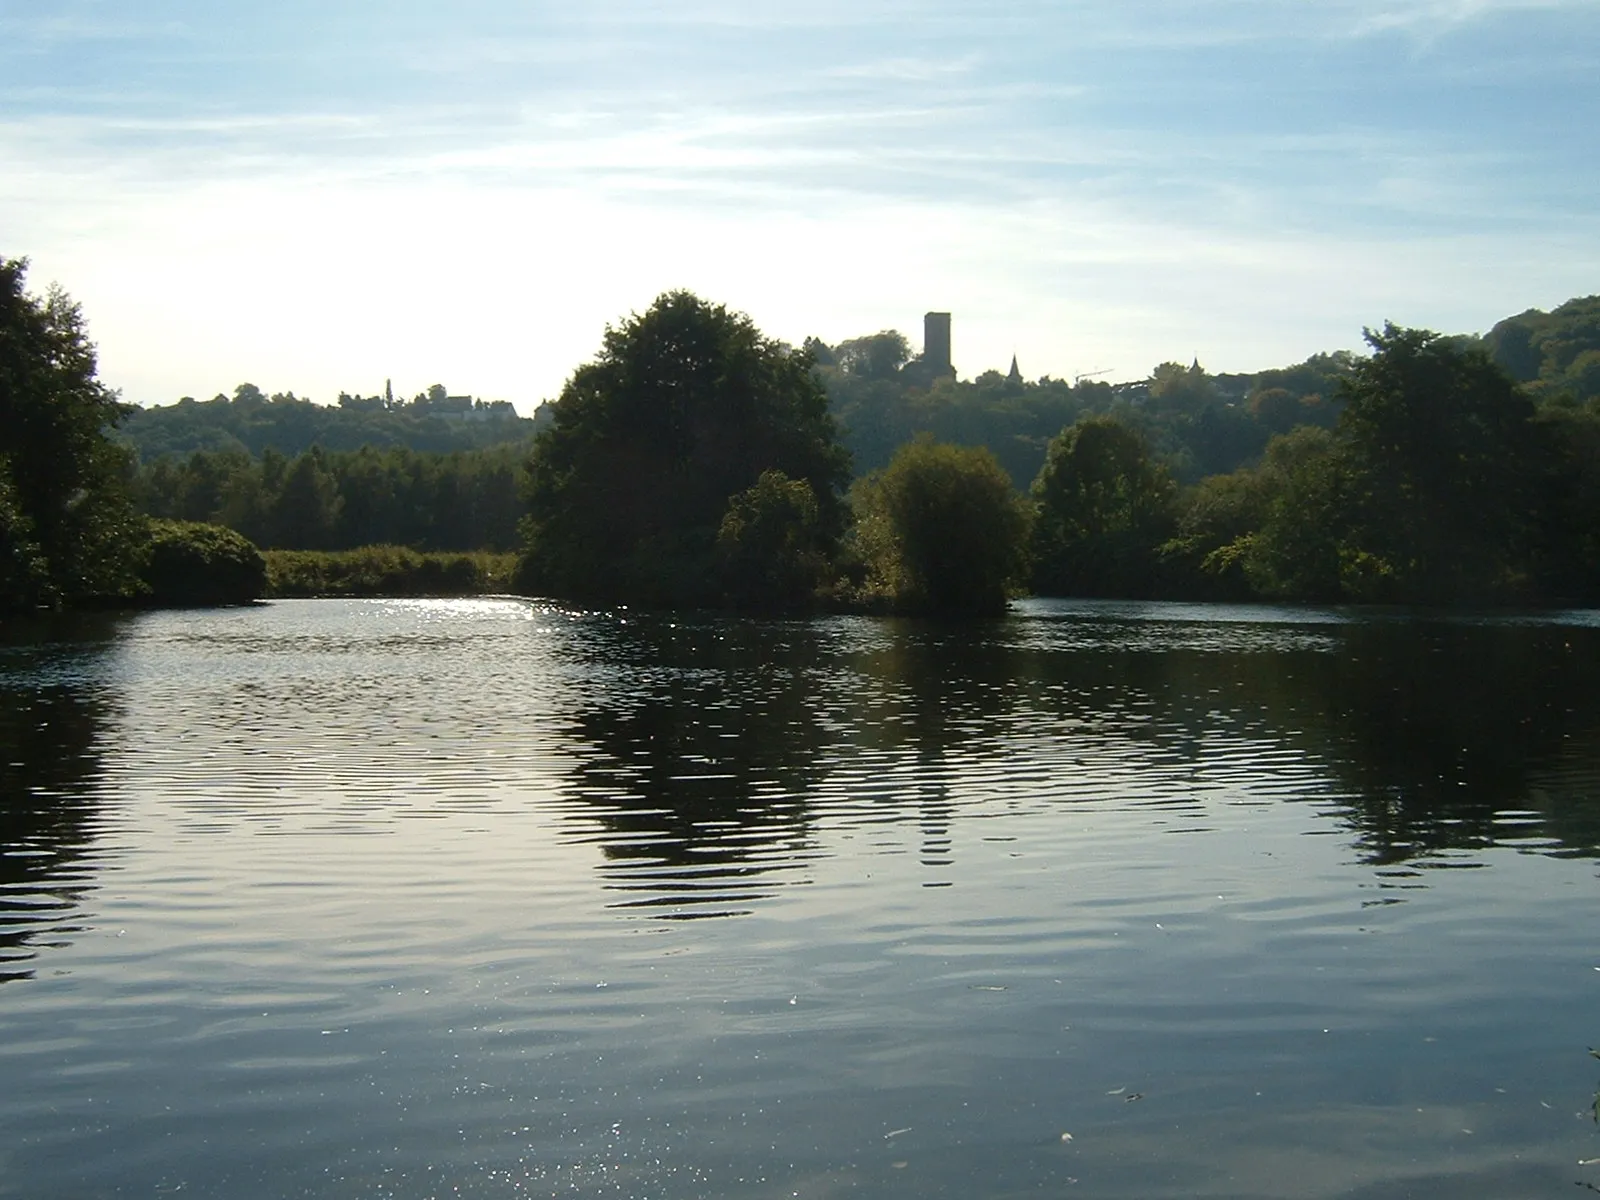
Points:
(684, 408)
(64, 503)
(1104, 507)
(1443, 452)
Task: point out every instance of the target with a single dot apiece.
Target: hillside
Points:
(253, 422)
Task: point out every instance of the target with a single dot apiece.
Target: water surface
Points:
(491, 898)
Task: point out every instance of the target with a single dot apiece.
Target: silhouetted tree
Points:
(684, 408)
(1105, 506)
(772, 547)
(1442, 447)
(68, 528)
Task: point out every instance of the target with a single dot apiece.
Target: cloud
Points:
(321, 202)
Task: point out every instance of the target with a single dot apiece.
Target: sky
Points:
(319, 195)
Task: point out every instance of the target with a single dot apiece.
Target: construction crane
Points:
(1077, 379)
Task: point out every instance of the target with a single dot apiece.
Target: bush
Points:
(194, 564)
(385, 571)
(771, 545)
(941, 530)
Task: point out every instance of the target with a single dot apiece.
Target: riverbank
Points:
(385, 571)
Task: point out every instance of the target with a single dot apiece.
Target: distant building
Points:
(936, 343)
(934, 362)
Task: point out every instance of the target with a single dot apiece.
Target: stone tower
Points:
(936, 344)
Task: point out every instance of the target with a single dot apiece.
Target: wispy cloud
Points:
(1080, 179)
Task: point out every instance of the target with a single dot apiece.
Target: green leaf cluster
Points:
(1556, 354)
(1442, 484)
(68, 531)
(940, 530)
(466, 500)
(189, 563)
(1104, 505)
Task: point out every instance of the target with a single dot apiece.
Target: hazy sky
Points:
(314, 195)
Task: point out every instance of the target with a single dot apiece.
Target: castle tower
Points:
(936, 344)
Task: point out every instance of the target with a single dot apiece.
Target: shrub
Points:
(941, 530)
(771, 544)
(194, 564)
(385, 571)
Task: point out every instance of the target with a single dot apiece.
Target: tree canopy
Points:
(683, 410)
(1104, 505)
(1441, 441)
(941, 530)
(252, 422)
(68, 532)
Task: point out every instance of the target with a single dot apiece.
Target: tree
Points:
(941, 530)
(1302, 549)
(684, 408)
(876, 356)
(307, 509)
(1443, 454)
(1105, 506)
(68, 529)
(771, 545)
(197, 564)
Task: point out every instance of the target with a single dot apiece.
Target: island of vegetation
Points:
(697, 462)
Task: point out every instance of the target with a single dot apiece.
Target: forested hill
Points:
(1200, 424)
(252, 422)
(1554, 354)
(882, 397)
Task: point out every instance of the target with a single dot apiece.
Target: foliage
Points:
(189, 563)
(1215, 521)
(1556, 354)
(1437, 487)
(684, 408)
(1566, 541)
(1442, 454)
(469, 500)
(24, 582)
(772, 548)
(1104, 506)
(252, 423)
(1299, 549)
(876, 356)
(68, 532)
(941, 530)
(386, 571)
(1198, 423)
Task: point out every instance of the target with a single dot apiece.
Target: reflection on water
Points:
(52, 710)
(397, 898)
(697, 752)
(699, 760)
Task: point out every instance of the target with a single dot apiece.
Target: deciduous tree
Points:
(70, 533)
(684, 408)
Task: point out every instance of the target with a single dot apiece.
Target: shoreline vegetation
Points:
(697, 463)
(385, 571)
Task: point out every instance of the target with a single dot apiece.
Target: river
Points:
(492, 898)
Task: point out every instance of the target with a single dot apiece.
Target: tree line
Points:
(251, 422)
(696, 461)
(1201, 424)
(339, 500)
